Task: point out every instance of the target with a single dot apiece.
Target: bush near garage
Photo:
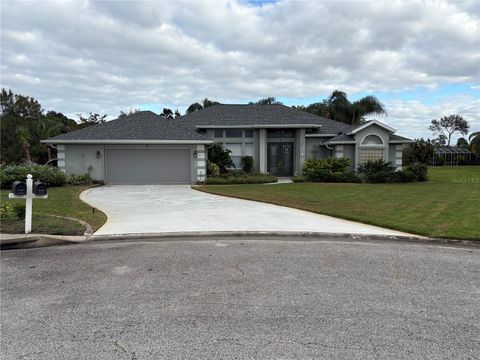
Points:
(84, 179)
(49, 175)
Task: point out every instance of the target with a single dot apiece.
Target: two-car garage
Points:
(148, 166)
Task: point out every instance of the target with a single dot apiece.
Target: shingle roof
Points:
(146, 125)
(143, 125)
(340, 138)
(254, 114)
(394, 137)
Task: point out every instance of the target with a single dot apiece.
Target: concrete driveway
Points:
(133, 209)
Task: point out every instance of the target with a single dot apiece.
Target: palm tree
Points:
(474, 139)
(339, 108)
(24, 136)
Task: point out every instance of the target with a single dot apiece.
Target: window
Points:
(233, 133)
(287, 133)
(370, 155)
(219, 133)
(372, 140)
(236, 154)
(249, 133)
(248, 149)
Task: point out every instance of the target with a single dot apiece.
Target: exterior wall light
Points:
(99, 155)
(195, 154)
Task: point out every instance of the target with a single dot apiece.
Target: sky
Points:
(421, 59)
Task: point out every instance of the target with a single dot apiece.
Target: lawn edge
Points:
(202, 188)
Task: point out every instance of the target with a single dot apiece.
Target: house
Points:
(145, 148)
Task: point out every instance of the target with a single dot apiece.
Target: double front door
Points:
(280, 159)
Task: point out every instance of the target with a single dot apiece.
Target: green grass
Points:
(447, 206)
(62, 201)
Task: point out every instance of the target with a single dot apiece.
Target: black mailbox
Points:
(19, 188)
(39, 188)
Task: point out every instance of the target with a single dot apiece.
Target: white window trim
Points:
(382, 145)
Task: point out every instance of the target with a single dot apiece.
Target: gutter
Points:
(122, 142)
(256, 126)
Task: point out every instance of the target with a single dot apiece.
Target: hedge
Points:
(49, 175)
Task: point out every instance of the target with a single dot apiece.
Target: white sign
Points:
(28, 203)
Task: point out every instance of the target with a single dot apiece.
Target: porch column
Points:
(262, 140)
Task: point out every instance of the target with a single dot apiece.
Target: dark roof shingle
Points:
(143, 125)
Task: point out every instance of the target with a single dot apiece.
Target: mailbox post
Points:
(20, 193)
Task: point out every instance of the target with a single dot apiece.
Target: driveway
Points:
(241, 299)
(178, 209)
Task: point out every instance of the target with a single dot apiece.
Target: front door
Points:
(280, 159)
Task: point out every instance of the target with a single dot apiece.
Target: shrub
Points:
(407, 176)
(247, 164)
(73, 179)
(420, 170)
(299, 178)
(220, 156)
(349, 177)
(19, 210)
(329, 170)
(331, 164)
(49, 175)
(237, 177)
(378, 171)
(212, 169)
(6, 210)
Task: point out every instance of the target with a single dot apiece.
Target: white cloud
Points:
(104, 56)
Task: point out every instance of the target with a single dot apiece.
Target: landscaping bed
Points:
(445, 206)
(238, 177)
(62, 201)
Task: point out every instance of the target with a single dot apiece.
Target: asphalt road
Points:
(226, 299)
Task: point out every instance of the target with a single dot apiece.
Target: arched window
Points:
(371, 149)
(372, 140)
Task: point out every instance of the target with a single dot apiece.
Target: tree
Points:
(220, 156)
(267, 101)
(339, 108)
(92, 119)
(177, 113)
(167, 113)
(448, 125)
(194, 107)
(463, 143)
(128, 112)
(207, 103)
(419, 151)
(474, 139)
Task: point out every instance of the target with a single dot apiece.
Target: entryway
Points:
(280, 159)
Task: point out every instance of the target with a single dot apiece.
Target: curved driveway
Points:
(178, 209)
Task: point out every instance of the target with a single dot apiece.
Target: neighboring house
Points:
(145, 148)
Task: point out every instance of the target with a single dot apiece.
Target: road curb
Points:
(38, 240)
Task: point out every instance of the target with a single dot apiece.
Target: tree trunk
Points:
(26, 151)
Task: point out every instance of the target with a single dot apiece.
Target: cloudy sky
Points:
(421, 59)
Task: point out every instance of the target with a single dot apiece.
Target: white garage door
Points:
(152, 166)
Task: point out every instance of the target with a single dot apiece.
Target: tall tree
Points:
(90, 120)
(449, 125)
(267, 101)
(167, 113)
(474, 139)
(207, 103)
(338, 107)
(194, 107)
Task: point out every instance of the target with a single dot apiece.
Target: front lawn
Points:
(62, 201)
(446, 206)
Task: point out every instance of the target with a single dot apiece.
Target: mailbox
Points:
(39, 188)
(19, 188)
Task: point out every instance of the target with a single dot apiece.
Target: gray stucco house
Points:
(146, 148)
